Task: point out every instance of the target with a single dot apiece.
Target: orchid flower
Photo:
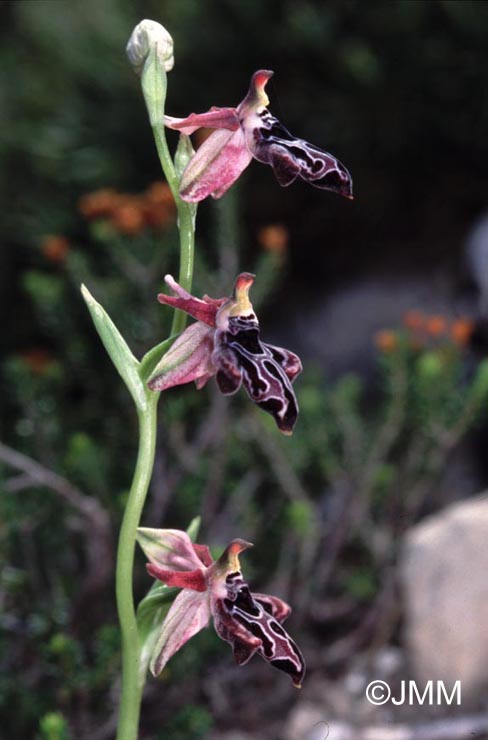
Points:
(250, 623)
(225, 342)
(251, 131)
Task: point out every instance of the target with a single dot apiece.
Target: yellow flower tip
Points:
(256, 97)
(259, 81)
(237, 546)
(240, 303)
(287, 432)
(230, 557)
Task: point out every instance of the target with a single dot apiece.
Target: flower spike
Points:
(251, 131)
(226, 342)
(250, 623)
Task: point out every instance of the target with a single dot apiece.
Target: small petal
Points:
(189, 613)
(192, 579)
(188, 359)
(203, 310)
(204, 554)
(279, 609)
(225, 118)
(216, 166)
(289, 361)
(170, 549)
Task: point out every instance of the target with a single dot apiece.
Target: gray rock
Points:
(307, 722)
(444, 570)
(477, 260)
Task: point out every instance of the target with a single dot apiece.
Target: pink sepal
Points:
(169, 549)
(216, 165)
(189, 613)
(204, 554)
(188, 359)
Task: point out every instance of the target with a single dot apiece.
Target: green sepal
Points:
(126, 364)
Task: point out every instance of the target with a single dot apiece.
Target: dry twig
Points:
(93, 518)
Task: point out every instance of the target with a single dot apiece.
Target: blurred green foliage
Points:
(395, 89)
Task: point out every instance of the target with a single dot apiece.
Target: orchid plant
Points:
(224, 342)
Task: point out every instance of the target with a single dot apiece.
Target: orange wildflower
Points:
(436, 325)
(159, 193)
(99, 204)
(128, 217)
(55, 247)
(414, 320)
(461, 331)
(158, 205)
(274, 238)
(386, 340)
(37, 359)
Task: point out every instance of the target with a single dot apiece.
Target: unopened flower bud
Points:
(145, 36)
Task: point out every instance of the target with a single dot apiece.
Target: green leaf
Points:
(151, 359)
(184, 153)
(193, 527)
(118, 350)
(53, 726)
(150, 615)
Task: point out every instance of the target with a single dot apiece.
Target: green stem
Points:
(133, 676)
(187, 248)
(154, 84)
(186, 224)
(132, 681)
